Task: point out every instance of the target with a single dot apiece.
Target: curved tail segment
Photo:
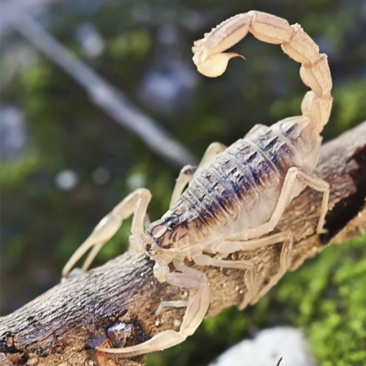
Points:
(212, 61)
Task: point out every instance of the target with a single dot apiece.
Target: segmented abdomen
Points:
(240, 187)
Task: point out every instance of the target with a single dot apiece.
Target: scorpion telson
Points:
(237, 195)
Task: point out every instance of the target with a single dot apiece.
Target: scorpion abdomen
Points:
(239, 188)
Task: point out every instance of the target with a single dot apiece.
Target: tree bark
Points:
(63, 326)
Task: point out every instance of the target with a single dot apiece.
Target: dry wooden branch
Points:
(62, 326)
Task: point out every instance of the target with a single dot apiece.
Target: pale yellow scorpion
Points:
(237, 195)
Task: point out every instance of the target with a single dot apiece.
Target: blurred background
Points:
(129, 110)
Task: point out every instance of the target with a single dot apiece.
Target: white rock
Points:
(267, 348)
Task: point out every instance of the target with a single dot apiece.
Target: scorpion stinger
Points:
(297, 44)
(237, 195)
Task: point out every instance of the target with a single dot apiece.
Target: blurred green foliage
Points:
(42, 225)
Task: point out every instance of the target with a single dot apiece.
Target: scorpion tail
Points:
(210, 59)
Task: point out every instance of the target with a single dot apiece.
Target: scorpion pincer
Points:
(237, 194)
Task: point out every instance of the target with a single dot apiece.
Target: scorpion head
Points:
(163, 242)
(164, 237)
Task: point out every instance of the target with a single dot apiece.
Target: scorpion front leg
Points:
(197, 306)
(135, 203)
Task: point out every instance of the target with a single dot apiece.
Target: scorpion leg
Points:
(251, 277)
(187, 172)
(174, 303)
(135, 203)
(285, 263)
(206, 260)
(253, 130)
(198, 302)
(295, 179)
(212, 150)
(184, 177)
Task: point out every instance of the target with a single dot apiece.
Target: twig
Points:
(111, 100)
(63, 326)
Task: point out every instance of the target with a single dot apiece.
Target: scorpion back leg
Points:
(294, 180)
(135, 203)
(187, 172)
(212, 150)
(285, 263)
(197, 306)
(251, 276)
(184, 177)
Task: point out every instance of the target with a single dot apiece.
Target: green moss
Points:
(327, 298)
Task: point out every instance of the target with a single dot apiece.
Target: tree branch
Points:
(63, 326)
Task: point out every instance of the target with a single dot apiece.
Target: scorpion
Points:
(236, 196)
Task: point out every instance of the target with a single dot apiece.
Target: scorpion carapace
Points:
(237, 195)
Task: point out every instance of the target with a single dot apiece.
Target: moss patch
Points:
(327, 298)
